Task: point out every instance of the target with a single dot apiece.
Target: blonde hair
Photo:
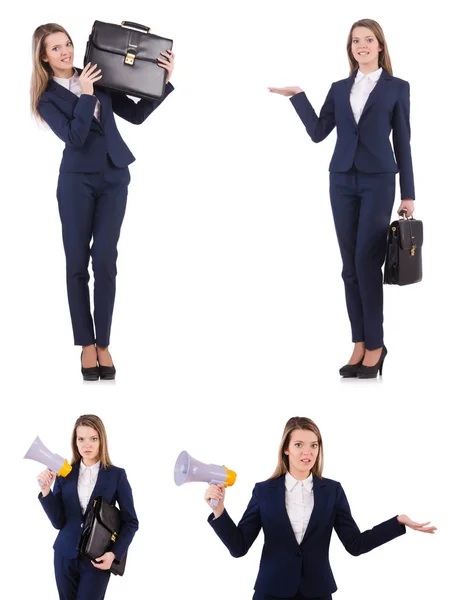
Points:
(41, 70)
(384, 56)
(96, 423)
(283, 461)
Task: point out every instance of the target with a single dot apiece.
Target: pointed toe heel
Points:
(348, 371)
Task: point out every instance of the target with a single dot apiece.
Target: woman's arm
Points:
(355, 542)
(401, 142)
(239, 538)
(138, 112)
(52, 503)
(318, 128)
(73, 132)
(129, 521)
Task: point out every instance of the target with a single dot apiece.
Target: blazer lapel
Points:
(320, 498)
(61, 91)
(101, 483)
(71, 482)
(349, 82)
(279, 502)
(379, 89)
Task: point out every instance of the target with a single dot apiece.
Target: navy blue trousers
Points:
(92, 207)
(77, 579)
(362, 206)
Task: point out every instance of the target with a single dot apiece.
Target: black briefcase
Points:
(403, 262)
(127, 55)
(101, 528)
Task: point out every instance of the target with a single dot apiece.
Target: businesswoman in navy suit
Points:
(93, 180)
(298, 509)
(93, 474)
(365, 108)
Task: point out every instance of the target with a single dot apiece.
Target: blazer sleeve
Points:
(239, 538)
(355, 542)
(53, 505)
(318, 128)
(73, 132)
(138, 112)
(401, 142)
(129, 521)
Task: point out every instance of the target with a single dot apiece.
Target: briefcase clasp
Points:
(130, 58)
(113, 536)
(413, 250)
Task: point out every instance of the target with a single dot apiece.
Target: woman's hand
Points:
(216, 492)
(404, 520)
(45, 480)
(286, 91)
(407, 204)
(104, 562)
(87, 78)
(169, 64)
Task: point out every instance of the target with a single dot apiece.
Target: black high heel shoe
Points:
(350, 370)
(89, 373)
(371, 372)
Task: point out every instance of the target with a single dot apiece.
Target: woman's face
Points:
(87, 440)
(365, 47)
(302, 453)
(59, 53)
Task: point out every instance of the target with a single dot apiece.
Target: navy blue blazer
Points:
(365, 145)
(63, 508)
(287, 567)
(87, 140)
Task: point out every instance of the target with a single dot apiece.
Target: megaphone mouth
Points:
(182, 468)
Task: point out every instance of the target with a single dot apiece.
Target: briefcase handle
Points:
(136, 26)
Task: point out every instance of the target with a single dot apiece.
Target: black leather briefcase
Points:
(403, 262)
(127, 55)
(101, 528)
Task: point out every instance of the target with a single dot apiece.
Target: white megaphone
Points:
(43, 455)
(188, 469)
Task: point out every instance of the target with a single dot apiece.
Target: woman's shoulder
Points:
(330, 483)
(400, 82)
(115, 470)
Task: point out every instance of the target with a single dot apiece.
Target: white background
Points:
(230, 314)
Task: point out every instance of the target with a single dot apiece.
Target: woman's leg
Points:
(75, 195)
(93, 582)
(67, 576)
(108, 217)
(377, 195)
(345, 204)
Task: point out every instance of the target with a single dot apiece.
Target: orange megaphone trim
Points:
(230, 477)
(65, 469)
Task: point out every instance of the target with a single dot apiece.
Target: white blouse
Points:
(299, 502)
(362, 87)
(85, 485)
(73, 85)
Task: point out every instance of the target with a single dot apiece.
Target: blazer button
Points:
(298, 553)
(81, 525)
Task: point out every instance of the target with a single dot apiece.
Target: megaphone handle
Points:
(213, 502)
(40, 481)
